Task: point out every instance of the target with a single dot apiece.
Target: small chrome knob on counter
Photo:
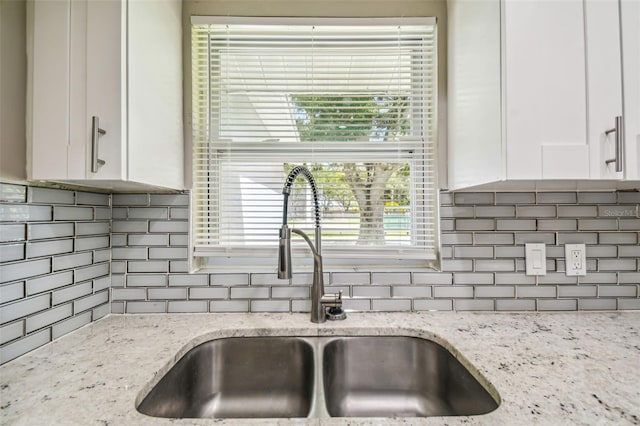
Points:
(333, 303)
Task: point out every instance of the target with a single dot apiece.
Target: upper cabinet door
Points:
(48, 89)
(116, 63)
(604, 85)
(544, 88)
(106, 86)
(630, 21)
(570, 94)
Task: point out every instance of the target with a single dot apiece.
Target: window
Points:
(353, 100)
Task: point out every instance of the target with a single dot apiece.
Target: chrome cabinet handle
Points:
(95, 132)
(619, 143)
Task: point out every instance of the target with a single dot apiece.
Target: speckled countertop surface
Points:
(549, 368)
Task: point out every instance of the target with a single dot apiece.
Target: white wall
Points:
(13, 88)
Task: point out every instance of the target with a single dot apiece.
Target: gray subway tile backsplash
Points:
(473, 198)
(557, 305)
(13, 193)
(167, 293)
(130, 200)
(91, 243)
(71, 261)
(10, 232)
(48, 317)
(474, 305)
(24, 307)
(169, 199)
(50, 196)
(535, 291)
(92, 228)
(432, 305)
(495, 211)
(14, 271)
(453, 291)
(72, 213)
(92, 199)
(71, 292)
(11, 331)
(133, 266)
(10, 292)
(628, 224)
(188, 280)
(173, 226)
(597, 197)
(515, 198)
(83, 259)
(209, 293)
(270, 306)
(64, 244)
(291, 292)
(49, 282)
(556, 197)
(376, 291)
(41, 231)
(411, 291)
(73, 323)
(25, 213)
(11, 252)
(618, 264)
(597, 304)
(249, 293)
(19, 347)
(629, 197)
(148, 213)
(146, 307)
(49, 248)
(515, 305)
(146, 280)
(187, 306)
(536, 211)
(229, 306)
(391, 305)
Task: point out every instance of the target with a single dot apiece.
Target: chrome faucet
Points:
(319, 300)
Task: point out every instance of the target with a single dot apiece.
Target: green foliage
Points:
(344, 118)
(357, 187)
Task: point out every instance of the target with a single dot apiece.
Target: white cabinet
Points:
(120, 62)
(630, 21)
(534, 87)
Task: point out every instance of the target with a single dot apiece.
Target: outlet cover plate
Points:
(575, 258)
(535, 259)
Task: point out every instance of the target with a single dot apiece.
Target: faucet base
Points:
(336, 314)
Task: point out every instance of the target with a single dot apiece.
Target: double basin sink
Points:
(299, 377)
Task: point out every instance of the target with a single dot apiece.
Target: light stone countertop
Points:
(549, 368)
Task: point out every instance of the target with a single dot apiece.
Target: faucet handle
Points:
(332, 300)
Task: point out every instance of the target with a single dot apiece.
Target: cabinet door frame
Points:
(604, 83)
(106, 86)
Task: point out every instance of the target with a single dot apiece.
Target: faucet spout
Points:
(318, 313)
(319, 300)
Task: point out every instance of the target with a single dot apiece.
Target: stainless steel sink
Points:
(319, 377)
(237, 377)
(398, 377)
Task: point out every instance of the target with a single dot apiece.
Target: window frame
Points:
(337, 260)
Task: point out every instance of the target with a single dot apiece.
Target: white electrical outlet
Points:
(575, 259)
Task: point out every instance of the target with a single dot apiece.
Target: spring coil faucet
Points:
(319, 300)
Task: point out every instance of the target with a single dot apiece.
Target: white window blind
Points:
(353, 100)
